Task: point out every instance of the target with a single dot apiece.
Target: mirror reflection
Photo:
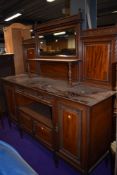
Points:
(58, 43)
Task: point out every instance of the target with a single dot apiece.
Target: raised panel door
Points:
(70, 132)
(96, 61)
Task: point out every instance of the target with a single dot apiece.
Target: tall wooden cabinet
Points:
(14, 34)
(68, 104)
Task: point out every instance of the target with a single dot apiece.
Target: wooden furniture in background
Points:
(14, 35)
(6, 69)
(29, 52)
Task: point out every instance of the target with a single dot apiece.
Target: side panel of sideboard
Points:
(100, 132)
(84, 132)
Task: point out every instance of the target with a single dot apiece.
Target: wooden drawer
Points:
(35, 95)
(25, 121)
(43, 133)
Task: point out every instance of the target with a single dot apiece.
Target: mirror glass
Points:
(61, 43)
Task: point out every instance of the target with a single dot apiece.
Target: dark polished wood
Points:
(114, 75)
(97, 61)
(104, 133)
(29, 52)
(6, 68)
(10, 98)
(70, 131)
(25, 122)
(43, 133)
(99, 53)
(60, 70)
(59, 24)
(73, 121)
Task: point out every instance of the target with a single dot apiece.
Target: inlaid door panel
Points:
(96, 61)
(70, 131)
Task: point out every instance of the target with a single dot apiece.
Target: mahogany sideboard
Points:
(65, 97)
(73, 121)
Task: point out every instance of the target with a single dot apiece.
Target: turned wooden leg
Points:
(56, 159)
(112, 162)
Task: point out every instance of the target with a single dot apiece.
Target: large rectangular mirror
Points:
(62, 43)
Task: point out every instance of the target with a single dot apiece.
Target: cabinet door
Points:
(10, 98)
(96, 61)
(43, 133)
(70, 132)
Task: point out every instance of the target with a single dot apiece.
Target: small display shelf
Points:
(62, 60)
(39, 111)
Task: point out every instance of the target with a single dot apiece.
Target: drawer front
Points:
(43, 133)
(37, 95)
(25, 122)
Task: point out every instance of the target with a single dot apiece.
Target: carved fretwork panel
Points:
(96, 61)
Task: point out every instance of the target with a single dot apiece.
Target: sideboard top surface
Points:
(79, 92)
